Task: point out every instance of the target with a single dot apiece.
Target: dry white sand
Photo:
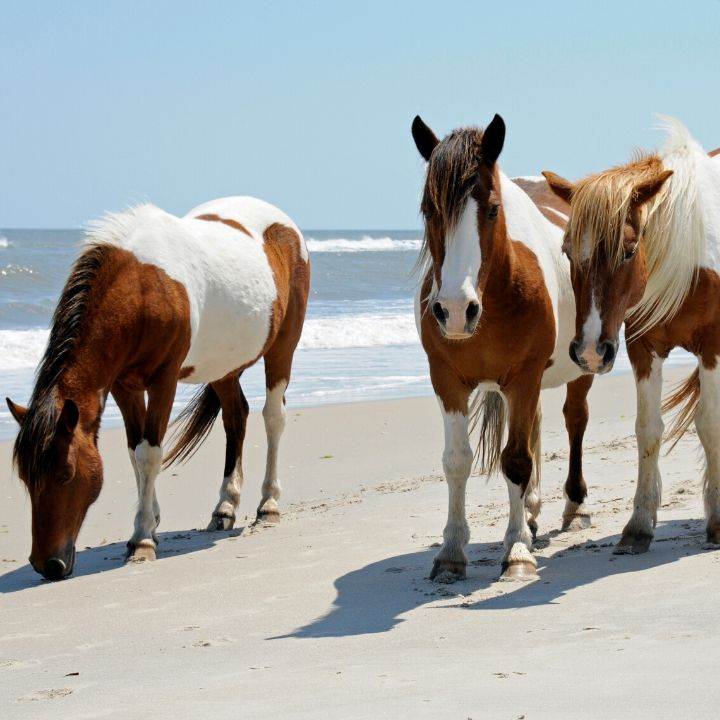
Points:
(330, 614)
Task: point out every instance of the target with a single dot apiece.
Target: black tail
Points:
(195, 422)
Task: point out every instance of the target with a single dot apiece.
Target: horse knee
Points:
(517, 465)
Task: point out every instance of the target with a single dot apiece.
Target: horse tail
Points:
(488, 411)
(686, 396)
(195, 422)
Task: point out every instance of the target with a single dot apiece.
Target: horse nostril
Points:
(473, 309)
(607, 350)
(573, 352)
(439, 313)
(54, 569)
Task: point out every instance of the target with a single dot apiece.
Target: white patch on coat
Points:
(592, 328)
(526, 224)
(226, 274)
(461, 265)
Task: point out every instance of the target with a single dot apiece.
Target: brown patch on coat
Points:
(714, 152)
(546, 200)
(226, 221)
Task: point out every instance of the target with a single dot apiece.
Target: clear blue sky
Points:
(309, 104)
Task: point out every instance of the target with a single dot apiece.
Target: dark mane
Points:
(451, 174)
(32, 452)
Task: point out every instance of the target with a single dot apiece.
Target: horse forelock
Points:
(600, 208)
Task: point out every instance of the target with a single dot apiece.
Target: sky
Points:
(308, 104)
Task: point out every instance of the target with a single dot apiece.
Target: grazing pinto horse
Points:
(154, 299)
(644, 243)
(495, 312)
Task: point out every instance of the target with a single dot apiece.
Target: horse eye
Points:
(493, 212)
(630, 252)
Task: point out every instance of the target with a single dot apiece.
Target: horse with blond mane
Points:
(495, 312)
(155, 299)
(644, 243)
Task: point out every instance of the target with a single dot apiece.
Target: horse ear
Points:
(492, 141)
(563, 188)
(17, 411)
(424, 137)
(69, 417)
(648, 189)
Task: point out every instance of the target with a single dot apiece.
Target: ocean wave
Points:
(364, 244)
(4, 242)
(21, 349)
(356, 331)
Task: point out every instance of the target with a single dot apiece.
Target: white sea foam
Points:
(364, 244)
(362, 330)
(21, 349)
(4, 242)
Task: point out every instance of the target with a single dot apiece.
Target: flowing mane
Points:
(674, 235)
(33, 445)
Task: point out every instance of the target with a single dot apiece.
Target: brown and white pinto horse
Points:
(154, 299)
(644, 244)
(495, 313)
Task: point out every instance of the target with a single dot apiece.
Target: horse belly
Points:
(233, 323)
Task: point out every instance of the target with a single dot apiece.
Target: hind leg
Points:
(148, 461)
(533, 500)
(234, 414)
(707, 422)
(576, 515)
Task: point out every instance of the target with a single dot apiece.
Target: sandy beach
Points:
(330, 613)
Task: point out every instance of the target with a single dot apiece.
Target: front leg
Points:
(148, 462)
(451, 562)
(517, 465)
(639, 531)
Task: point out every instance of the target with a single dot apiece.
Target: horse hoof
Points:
(271, 517)
(575, 523)
(633, 544)
(221, 522)
(448, 571)
(519, 571)
(144, 551)
(713, 535)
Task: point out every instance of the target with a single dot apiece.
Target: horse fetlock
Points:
(575, 517)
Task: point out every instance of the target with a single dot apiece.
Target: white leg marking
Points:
(148, 460)
(230, 490)
(457, 463)
(518, 538)
(274, 416)
(156, 505)
(707, 422)
(648, 430)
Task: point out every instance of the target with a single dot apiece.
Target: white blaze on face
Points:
(591, 337)
(459, 272)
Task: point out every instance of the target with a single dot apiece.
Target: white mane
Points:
(677, 227)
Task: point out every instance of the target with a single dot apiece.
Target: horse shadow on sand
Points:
(372, 599)
(95, 560)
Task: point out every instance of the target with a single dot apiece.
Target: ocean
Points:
(359, 341)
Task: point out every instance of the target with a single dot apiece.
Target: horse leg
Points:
(132, 409)
(576, 516)
(638, 533)
(707, 421)
(517, 465)
(451, 562)
(148, 459)
(235, 411)
(533, 500)
(278, 365)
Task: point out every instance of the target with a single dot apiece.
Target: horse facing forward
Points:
(644, 243)
(495, 312)
(152, 300)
